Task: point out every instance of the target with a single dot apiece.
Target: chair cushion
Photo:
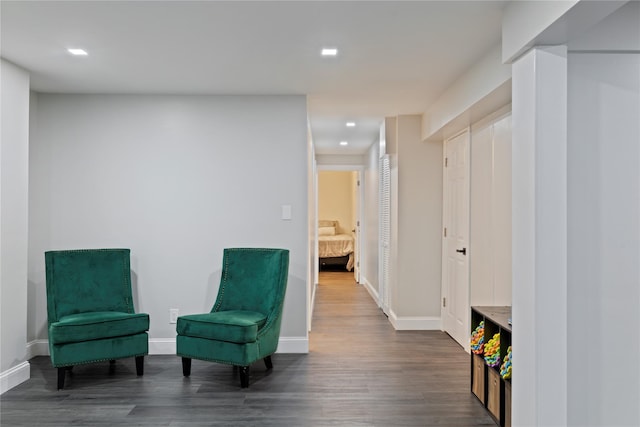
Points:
(238, 326)
(97, 325)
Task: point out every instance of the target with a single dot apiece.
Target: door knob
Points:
(463, 251)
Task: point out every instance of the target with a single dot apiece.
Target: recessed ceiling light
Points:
(77, 52)
(329, 51)
(351, 124)
(344, 143)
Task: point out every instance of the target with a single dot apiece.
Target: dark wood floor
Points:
(359, 372)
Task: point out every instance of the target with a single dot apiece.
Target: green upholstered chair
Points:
(244, 323)
(90, 309)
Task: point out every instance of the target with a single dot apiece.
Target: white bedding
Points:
(336, 246)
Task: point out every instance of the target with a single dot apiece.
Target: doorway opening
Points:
(339, 197)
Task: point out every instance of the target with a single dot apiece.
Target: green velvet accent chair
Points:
(244, 323)
(90, 309)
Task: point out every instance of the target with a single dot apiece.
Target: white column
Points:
(603, 373)
(540, 237)
(14, 190)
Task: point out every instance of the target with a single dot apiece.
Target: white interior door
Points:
(455, 265)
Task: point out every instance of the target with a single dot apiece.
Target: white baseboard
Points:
(312, 305)
(417, 323)
(372, 291)
(37, 348)
(163, 346)
(293, 345)
(14, 376)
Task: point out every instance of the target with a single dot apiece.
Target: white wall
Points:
(14, 175)
(334, 160)
(370, 239)
(604, 239)
(526, 24)
(176, 179)
(619, 31)
(478, 92)
(524, 20)
(417, 275)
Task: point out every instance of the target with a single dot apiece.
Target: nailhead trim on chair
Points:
(207, 359)
(99, 360)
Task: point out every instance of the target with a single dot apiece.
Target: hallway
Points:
(386, 377)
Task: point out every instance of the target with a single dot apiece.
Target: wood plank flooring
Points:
(359, 372)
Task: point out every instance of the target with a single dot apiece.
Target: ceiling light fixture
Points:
(344, 143)
(77, 52)
(351, 124)
(329, 51)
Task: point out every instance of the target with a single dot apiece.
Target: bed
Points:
(334, 249)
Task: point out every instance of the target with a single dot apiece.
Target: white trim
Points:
(421, 323)
(162, 346)
(343, 168)
(37, 348)
(340, 159)
(372, 291)
(293, 345)
(313, 302)
(14, 376)
(361, 227)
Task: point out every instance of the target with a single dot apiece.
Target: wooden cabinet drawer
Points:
(493, 392)
(478, 368)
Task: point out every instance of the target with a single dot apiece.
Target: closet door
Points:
(384, 233)
(455, 273)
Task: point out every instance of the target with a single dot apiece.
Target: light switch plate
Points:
(286, 212)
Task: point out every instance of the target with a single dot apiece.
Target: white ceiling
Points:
(394, 57)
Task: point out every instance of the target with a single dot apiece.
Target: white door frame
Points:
(446, 284)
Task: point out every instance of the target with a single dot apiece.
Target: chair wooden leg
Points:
(186, 366)
(140, 365)
(61, 373)
(268, 363)
(244, 376)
